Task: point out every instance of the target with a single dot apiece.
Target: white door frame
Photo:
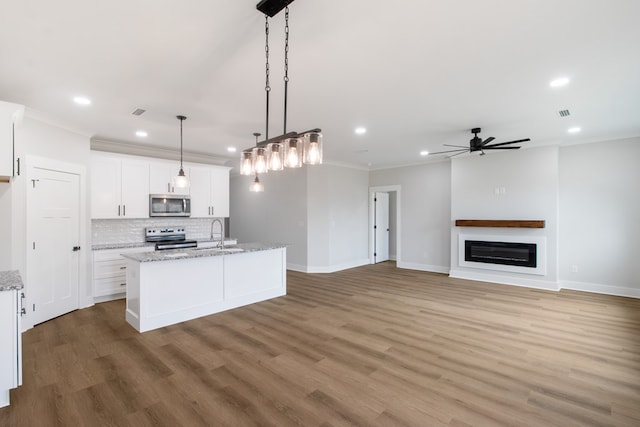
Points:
(397, 225)
(85, 297)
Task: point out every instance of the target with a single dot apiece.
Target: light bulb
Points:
(313, 148)
(275, 157)
(181, 180)
(293, 153)
(314, 154)
(260, 162)
(256, 186)
(246, 164)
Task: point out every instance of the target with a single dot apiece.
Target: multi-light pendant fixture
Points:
(290, 150)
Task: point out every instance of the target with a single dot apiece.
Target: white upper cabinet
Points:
(10, 114)
(162, 178)
(209, 191)
(119, 187)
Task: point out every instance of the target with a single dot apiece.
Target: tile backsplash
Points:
(109, 231)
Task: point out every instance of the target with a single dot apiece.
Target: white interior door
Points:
(53, 228)
(381, 227)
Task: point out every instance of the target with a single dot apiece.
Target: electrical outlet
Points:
(574, 268)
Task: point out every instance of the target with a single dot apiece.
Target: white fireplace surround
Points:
(541, 253)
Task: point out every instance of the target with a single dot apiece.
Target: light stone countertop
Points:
(145, 244)
(174, 254)
(10, 280)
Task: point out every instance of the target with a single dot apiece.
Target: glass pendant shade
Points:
(313, 148)
(181, 180)
(275, 153)
(259, 160)
(256, 186)
(293, 153)
(246, 163)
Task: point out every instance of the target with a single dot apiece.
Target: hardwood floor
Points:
(371, 346)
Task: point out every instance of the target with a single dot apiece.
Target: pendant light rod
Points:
(181, 118)
(267, 87)
(286, 65)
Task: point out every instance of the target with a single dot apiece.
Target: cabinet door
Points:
(8, 115)
(105, 187)
(200, 192)
(220, 192)
(162, 178)
(135, 189)
(11, 355)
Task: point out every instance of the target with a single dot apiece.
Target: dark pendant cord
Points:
(286, 64)
(267, 88)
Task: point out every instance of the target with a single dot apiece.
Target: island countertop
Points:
(175, 254)
(10, 280)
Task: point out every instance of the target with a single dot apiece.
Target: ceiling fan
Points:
(477, 144)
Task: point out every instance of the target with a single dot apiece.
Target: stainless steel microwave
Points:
(169, 205)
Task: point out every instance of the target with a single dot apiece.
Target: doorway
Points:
(53, 241)
(384, 224)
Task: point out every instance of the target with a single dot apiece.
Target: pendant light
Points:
(288, 150)
(181, 181)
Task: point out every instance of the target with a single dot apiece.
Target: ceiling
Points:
(416, 73)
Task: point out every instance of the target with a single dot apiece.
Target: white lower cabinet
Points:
(11, 344)
(110, 273)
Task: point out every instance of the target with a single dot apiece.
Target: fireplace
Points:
(522, 253)
(505, 253)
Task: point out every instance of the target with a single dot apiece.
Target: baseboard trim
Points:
(337, 267)
(297, 267)
(423, 267)
(504, 280)
(599, 288)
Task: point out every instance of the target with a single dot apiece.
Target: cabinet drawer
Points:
(103, 269)
(109, 286)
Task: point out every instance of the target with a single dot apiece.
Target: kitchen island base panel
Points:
(168, 292)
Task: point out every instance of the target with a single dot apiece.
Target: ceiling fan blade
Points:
(493, 147)
(450, 151)
(459, 146)
(457, 154)
(488, 140)
(510, 142)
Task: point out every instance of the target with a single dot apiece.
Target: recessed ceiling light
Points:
(231, 149)
(574, 130)
(81, 100)
(361, 130)
(142, 133)
(559, 82)
(424, 153)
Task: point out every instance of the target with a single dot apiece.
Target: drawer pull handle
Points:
(123, 268)
(123, 284)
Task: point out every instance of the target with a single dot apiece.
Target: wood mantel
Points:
(511, 223)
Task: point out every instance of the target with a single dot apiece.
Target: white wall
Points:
(527, 183)
(425, 206)
(279, 215)
(321, 211)
(348, 217)
(37, 138)
(600, 217)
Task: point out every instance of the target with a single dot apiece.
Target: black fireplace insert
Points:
(505, 253)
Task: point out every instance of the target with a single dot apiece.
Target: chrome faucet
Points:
(219, 221)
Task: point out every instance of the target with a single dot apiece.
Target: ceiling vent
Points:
(564, 113)
(138, 112)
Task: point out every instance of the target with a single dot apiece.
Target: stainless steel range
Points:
(169, 238)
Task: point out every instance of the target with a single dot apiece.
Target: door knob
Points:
(76, 248)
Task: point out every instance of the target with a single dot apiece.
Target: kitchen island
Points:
(168, 287)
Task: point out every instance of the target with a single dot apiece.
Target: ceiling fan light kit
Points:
(477, 144)
(290, 149)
